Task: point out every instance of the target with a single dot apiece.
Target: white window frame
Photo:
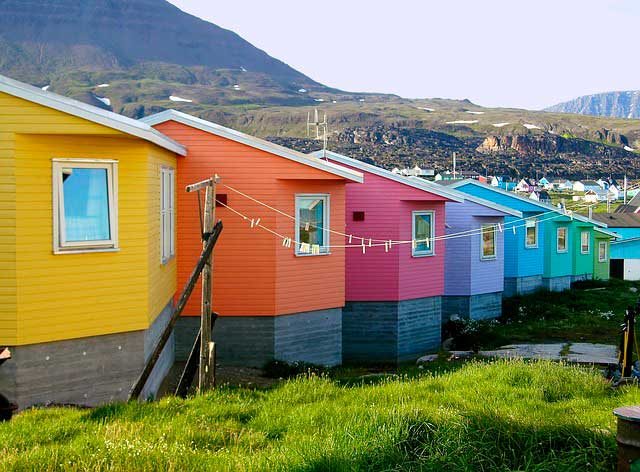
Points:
(494, 256)
(324, 249)
(535, 227)
(606, 255)
(431, 250)
(566, 240)
(167, 214)
(60, 244)
(588, 250)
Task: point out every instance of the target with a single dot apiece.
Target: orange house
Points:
(275, 300)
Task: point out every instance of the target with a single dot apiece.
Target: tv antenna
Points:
(322, 129)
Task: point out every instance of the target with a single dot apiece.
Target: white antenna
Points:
(319, 125)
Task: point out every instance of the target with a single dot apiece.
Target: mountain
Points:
(614, 104)
(138, 57)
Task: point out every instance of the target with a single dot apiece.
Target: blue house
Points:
(537, 252)
(625, 252)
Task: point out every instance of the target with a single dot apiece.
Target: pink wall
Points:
(396, 275)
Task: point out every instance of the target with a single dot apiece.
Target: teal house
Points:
(542, 249)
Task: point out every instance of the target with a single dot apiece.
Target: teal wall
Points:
(558, 264)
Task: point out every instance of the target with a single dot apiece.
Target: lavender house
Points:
(474, 262)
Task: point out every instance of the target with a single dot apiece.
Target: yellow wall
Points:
(77, 295)
(8, 319)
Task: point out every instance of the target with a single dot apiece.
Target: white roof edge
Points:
(219, 130)
(90, 113)
(526, 199)
(420, 184)
(608, 233)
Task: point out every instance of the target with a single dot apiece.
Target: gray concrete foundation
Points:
(314, 337)
(557, 284)
(582, 277)
(514, 286)
(85, 371)
(391, 332)
(476, 307)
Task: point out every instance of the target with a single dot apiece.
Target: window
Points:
(602, 251)
(167, 214)
(312, 223)
(585, 242)
(488, 242)
(85, 205)
(531, 230)
(422, 233)
(561, 242)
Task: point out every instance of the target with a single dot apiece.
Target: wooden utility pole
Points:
(206, 372)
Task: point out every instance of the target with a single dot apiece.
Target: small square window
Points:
(84, 205)
(488, 242)
(221, 199)
(312, 223)
(422, 233)
(358, 216)
(561, 240)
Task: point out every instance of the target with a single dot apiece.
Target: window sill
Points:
(313, 255)
(164, 262)
(85, 251)
(489, 258)
(531, 247)
(423, 255)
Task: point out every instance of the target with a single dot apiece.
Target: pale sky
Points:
(509, 53)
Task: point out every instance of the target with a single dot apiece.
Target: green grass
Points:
(506, 415)
(592, 313)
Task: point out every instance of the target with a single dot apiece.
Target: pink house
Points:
(393, 295)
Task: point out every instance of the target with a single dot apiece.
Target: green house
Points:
(582, 251)
(601, 254)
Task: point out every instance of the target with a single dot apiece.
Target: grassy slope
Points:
(572, 316)
(499, 416)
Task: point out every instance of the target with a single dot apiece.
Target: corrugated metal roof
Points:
(618, 220)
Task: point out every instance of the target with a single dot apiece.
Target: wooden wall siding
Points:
(305, 283)
(487, 276)
(421, 276)
(465, 273)
(396, 275)
(73, 295)
(519, 260)
(558, 264)
(628, 250)
(162, 277)
(8, 295)
(582, 263)
(246, 271)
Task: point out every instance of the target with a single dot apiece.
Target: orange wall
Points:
(253, 274)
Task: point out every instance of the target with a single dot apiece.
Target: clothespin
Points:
(386, 246)
(350, 236)
(258, 222)
(369, 242)
(305, 248)
(413, 243)
(571, 214)
(315, 249)
(306, 226)
(252, 223)
(426, 241)
(499, 227)
(364, 248)
(514, 229)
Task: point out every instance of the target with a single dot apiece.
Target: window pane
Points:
(585, 241)
(531, 233)
(562, 239)
(488, 241)
(311, 220)
(86, 204)
(422, 231)
(603, 252)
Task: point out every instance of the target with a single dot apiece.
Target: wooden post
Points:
(205, 373)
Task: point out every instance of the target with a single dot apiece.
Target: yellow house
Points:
(87, 243)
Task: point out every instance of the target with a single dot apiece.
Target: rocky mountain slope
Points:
(615, 104)
(137, 57)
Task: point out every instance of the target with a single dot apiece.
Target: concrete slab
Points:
(527, 351)
(587, 353)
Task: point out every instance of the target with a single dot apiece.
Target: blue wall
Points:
(628, 250)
